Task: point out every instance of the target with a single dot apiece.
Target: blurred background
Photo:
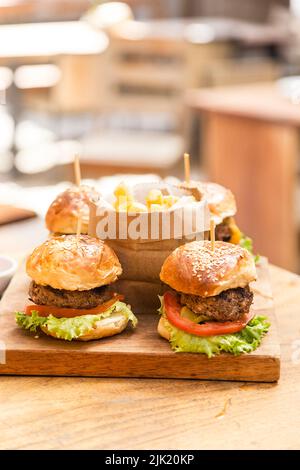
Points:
(130, 86)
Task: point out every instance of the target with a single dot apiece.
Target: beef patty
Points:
(223, 232)
(46, 295)
(230, 305)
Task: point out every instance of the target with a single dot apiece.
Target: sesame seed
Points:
(208, 265)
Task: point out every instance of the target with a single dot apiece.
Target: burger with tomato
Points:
(71, 294)
(207, 304)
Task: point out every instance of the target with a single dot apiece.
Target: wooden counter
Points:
(251, 144)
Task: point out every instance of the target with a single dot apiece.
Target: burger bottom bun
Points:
(162, 329)
(109, 326)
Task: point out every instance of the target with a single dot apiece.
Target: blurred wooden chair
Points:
(67, 87)
(73, 47)
(24, 11)
(70, 84)
(241, 71)
(35, 84)
(16, 11)
(145, 75)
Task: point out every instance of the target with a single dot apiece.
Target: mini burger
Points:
(222, 206)
(207, 305)
(71, 292)
(64, 212)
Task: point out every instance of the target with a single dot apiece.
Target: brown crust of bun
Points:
(109, 326)
(71, 263)
(161, 328)
(194, 269)
(62, 215)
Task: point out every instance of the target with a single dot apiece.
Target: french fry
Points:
(169, 200)
(154, 197)
(155, 200)
(123, 190)
(137, 207)
(156, 208)
(123, 197)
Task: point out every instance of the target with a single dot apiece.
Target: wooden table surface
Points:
(76, 413)
(263, 101)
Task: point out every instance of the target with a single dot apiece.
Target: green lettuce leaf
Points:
(72, 328)
(245, 341)
(247, 243)
(30, 322)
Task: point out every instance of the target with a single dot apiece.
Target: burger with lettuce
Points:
(71, 293)
(207, 305)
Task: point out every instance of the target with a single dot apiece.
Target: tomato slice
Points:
(46, 310)
(211, 328)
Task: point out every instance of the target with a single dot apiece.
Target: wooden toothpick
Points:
(187, 168)
(212, 235)
(77, 170)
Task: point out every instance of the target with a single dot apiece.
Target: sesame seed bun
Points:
(109, 326)
(65, 262)
(62, 215)
(194, 269)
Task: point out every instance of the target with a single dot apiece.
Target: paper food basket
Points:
(142, 241)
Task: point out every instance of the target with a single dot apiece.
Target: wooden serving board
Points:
(138, 353)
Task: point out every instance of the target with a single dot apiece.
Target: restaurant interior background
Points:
(130, 86)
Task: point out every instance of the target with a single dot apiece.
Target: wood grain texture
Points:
(91, 413)
(140, 353)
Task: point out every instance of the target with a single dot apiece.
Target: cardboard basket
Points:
(142, 241)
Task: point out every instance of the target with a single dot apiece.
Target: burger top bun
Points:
(65, 262)
(62, 215)
(194, 269)
(221, 201)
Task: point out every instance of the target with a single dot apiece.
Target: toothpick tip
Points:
(187, 169)
(77, 170)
